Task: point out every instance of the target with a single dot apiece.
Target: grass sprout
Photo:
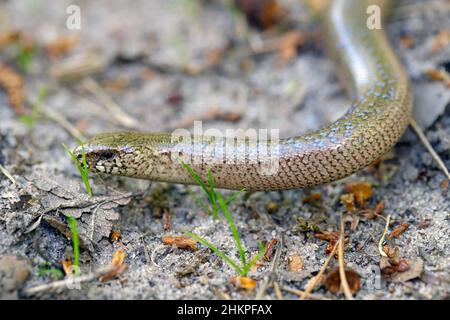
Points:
(217, 202)
(82, 167)
(30, 120)
(75, 241)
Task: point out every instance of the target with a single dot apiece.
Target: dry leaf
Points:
(115, 236)
(407, 41)
(117, 264)
(13, 84)
(180, 242)
(316, 196)
(243, 282)
(166, 220)
(333, 280)
(261, 13)
(349, 201)
(295, 263)
(60, 46)
(327, 235)
(361, 190)
(8, 37)
(440, 41)
(398, 230)
(271, 248)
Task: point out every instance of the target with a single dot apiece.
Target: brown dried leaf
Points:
(117, 262)
(166, 220)
(327, 235)
(61, 45)
(271, 248)
(361, 190)
(13, 84)
(333, 280)
(315, 196)
(349, 201)
(180, 242)
(295, 263)
(407, 41)
(440, 41)
(8, 37)
(261, 13)
(243, 283)
(398, 230)
(115, 236)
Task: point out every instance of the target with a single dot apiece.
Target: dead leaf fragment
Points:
(333, 280)
(13, 84)
(115, 236)
(243, 283)
(261, 13)
(349, 201)
(180, 242)
(61, 45)
(398, 230)
(440, 41)
(166, 220)
(316, 196)
(117, 264)
(271, 248)
(361, 190)
(295, 263)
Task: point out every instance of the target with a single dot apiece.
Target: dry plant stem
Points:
(429, 147)
(342, 275)
(300, 293)
(7, 174)
(124, 119)
(271, 277)
(315, 280)
(63, 122)
(380, 243)
(277, 290)
(69, 282)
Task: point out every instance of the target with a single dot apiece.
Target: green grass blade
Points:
(196, 177)
(199, 202)
(262, 249)
(82, 168)
(213, 194)
(228, 200)
(229, 218)
(216, 251)
(75, 241)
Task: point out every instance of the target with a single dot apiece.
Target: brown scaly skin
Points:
(373, 124)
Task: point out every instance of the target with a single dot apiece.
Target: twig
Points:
(69, 282)
(429, 147)
(347, 292)
(380, 243)
(277, 290)
(93, 87)
(300, 293)
(314, 281)
(7, 174)
(63, 122)
(272, 272)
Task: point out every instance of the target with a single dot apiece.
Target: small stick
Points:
(313, 284)
(277, 290)
(93, 87)
(347, 292)
(7, 174)
(380, 243)
(63, 122)
(429, 147)
(69, 282)
(300, 293)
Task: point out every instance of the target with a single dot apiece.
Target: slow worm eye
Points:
(107, 155)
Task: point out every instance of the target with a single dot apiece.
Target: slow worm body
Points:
(377, 118)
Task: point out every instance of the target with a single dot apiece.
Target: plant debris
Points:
(180, 242)
(243, 282)
(295, 263)
(333, 280)
(13, 84)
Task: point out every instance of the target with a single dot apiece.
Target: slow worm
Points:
(375, 121)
